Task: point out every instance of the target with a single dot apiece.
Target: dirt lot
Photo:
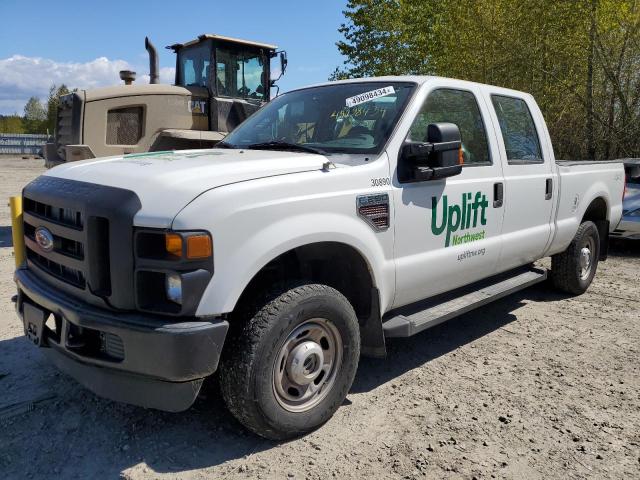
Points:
(534, 386)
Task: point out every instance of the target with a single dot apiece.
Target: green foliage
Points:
(579, 58)
(11, 124)
(35, 116)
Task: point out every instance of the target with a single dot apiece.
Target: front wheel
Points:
(572, 271)
(290, 366)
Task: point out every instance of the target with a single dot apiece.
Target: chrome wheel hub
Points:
(307, 364)
(586, 258)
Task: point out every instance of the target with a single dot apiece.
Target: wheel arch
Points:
(598, 212)
(339, 265)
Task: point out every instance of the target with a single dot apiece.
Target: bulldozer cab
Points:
(228, 67)
(219, 82)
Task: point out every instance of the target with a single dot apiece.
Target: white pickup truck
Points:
(336, 216)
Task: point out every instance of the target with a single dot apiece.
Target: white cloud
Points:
(22, 77)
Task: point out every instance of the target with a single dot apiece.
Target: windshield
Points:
(344, 118)
(240, 72)
(193, 65)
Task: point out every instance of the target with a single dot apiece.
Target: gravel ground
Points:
(538, 385)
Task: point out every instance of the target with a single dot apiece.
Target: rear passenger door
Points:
(528, 192)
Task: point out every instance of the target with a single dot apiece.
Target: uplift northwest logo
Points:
(458, 217)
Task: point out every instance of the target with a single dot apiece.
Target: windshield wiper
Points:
(279, 145)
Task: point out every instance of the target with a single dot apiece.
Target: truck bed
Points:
(570, 163)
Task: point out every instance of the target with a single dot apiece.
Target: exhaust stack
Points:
(153, 61)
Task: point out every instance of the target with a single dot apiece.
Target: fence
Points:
(22, 143)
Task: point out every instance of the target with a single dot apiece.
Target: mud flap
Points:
(371, 333)
(603, 230)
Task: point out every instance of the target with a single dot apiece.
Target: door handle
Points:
(548, 193)
(498, 194)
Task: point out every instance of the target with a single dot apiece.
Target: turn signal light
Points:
(173, 244)
(460, 156)
(199, 246)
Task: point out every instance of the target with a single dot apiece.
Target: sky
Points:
(85, 44)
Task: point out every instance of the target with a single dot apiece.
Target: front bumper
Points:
(141, 359)
(628, 228)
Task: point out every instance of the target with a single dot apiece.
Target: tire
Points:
(568, 272)
(268, 362)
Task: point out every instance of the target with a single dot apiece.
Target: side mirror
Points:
(439, 157)
(277, 74)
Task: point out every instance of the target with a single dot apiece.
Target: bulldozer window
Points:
(252, 68)
(240, 73)
(193, 65)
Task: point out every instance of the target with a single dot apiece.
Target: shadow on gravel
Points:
(624, 248)
(74, 434)
(52, 427)
(404, 354)
(5, 237)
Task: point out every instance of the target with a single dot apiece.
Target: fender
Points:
(250, 230)
(568, 221)
(249, 257)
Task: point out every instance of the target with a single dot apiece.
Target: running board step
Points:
(408, 321)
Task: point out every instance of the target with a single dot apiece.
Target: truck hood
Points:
(167, 181)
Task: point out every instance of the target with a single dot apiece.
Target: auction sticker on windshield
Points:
(368, 96)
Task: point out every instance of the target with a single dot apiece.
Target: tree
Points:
(11, 124)
(35, 116)
(579, 59)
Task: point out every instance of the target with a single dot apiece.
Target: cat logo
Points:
(197, 107)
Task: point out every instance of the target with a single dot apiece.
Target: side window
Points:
(194, 65)
(253, 76)
(459, 107)
(518, 130)
(226, 65)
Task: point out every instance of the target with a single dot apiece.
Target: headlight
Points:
(172, 270)
(198, 245)
(173, 286)
(174, 246)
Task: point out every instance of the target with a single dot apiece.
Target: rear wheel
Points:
(572, 271)
(290, 366)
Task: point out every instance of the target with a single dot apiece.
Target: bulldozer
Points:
(219, 82)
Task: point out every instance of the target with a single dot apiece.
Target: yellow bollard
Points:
(16, 230)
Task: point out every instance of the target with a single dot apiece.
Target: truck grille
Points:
(63, 216)
(67, 274)
(65, 260)
(69, 227)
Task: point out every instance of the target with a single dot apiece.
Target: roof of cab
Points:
(207, 36)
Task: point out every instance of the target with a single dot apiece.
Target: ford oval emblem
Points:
(44, 239)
